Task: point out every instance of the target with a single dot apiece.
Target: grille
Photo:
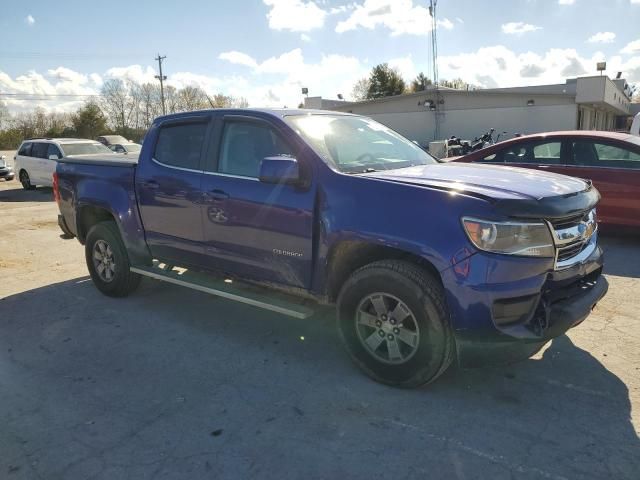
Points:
(571, 250)
(573, 235)
(569, 222)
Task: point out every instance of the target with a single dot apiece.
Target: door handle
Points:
(152, 184)
(218, 194)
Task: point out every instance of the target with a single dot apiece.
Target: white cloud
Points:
(632, 47)
(61, 81)
(568, 2)
(602, 37)
(498, 66)
(96, 79)
(29, 20)
(518, 28)
(333, 74)
(295, 15)
(238, 58)
(445, 23)
(305, 38)
(399, 16)
(133, 73)
(66, 75)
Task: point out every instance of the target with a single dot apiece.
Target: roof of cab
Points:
(59, 139)
(274, 112)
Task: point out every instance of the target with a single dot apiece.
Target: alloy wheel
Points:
(387, 328)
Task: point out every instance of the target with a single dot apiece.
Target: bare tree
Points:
(360, 89)
(117, 103)
(220, 100)
(192, 98)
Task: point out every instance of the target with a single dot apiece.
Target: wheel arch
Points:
(348, 256)
(88, 215)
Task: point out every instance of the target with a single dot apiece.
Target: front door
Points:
(168, 186)
(253, 229)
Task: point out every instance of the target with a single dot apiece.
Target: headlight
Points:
(510, 238)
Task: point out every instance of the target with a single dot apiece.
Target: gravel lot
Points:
(171, 383)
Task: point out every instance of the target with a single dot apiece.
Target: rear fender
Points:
(121, 205)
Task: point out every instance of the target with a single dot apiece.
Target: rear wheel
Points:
(25, 180)
(108, 261)
(392, 319)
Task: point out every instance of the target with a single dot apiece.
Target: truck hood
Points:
(494, 182)
(514, 192)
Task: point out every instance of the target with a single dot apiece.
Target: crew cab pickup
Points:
(425, 262)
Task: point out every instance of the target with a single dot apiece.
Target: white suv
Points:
(36, 159)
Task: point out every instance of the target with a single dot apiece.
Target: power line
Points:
(50, 94)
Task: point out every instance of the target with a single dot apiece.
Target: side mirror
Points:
(283, 170)
(53, 157)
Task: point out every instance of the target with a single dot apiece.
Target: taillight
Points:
(56, 192)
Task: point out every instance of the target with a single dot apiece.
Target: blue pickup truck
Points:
(426, 262)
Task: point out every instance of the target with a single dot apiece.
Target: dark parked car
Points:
(424, 261)
(611, 160)
(6, 171)
(126, 148)
(108, 140)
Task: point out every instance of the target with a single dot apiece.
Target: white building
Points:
(586, 103)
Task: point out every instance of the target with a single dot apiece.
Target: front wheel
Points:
(393, 322)
(108, 261)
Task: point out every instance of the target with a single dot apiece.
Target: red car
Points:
(611, 160)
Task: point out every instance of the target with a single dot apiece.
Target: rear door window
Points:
(180, 145)
(39, 150)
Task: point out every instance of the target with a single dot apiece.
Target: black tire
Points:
(424, 297)
(26, 181)
(122, 281)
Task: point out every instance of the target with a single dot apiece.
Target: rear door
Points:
(614, 168)
(38, 168)
(254, 229)
(168, 186)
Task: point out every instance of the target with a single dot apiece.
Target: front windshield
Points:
(132, 147)
(84, 148)
(355, 144)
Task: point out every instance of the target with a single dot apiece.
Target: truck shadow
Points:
(18, 194)
(560, 415)
(622, 253)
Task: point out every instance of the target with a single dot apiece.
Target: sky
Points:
(267, 50)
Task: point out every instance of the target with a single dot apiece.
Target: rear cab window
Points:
(180, 145)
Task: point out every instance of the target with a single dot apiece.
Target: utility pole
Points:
(162, 78)
(434, 50)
